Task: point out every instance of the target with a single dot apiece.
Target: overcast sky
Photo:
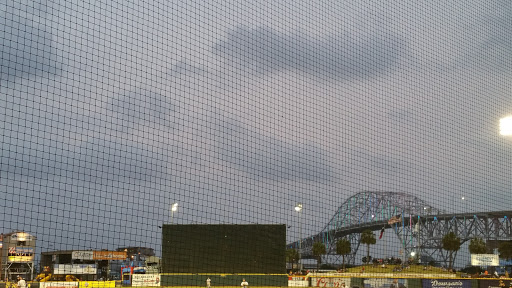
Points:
(111, 111)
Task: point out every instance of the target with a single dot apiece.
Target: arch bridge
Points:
(419, 227)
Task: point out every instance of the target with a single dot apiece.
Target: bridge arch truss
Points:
(420, 229)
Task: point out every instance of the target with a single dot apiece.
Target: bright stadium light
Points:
(174, 208)
(506, 126)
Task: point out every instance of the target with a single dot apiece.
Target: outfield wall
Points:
(224, 248)
(277, 280)
(383, 282)
(282, 280)
(64, 284)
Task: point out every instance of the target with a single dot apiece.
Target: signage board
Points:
(15, 259)
(76, 269)
(145, 280)
(445, 283)
(99, 255)
(20, 254)
(58, 284)
(97, 284)
(297, 278)
(330, 282)
(109, 255)
(385, 283)
(485, 260)
(505, 262)
(82, 255)
(298, 283)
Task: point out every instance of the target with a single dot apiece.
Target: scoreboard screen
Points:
(250, 248)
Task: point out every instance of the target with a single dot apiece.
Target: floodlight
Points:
(506, 126)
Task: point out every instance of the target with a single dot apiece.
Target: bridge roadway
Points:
(422, 234)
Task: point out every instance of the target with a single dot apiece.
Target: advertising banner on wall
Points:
(20, 254)
(446, 283)
(97, 284)
(494, 283)
(297, 281)
(330, 282)
(146, 280)
(385, 283)
(485, 260)
(99, 255)
(81, 269)
(82, 255)
(58, 284)
(109, 255)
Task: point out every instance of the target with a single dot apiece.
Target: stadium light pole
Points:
(298, 208)
(174, 208)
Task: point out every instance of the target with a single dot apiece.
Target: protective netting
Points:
(322, 119)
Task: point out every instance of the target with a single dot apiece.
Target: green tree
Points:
(477, 246)
(451, 243)
(368, 238)
(318, 251)
(505, 250)
(292, 255)
(343, 248)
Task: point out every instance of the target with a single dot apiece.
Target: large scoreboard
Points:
(250, 248)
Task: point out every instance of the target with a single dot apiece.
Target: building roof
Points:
(59, 252)
(19, 234)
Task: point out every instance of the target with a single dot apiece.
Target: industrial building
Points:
(83, 264)
(17, 250)
(89, 265)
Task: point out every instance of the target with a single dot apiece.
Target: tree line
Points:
(450, 242)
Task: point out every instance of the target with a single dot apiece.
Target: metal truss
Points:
(424, 235)
(421, 228)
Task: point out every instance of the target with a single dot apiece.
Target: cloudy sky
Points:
(112, 110)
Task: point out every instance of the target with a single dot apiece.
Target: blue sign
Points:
(445, 283)
(505, 262)
(385, 283)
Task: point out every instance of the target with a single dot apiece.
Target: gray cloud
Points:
(99, 159)
(264, 50)
(269, 157)
(496, 50)
(184, 67)
(118, 160)
(140, 107)
(113, 153)
(26, 47)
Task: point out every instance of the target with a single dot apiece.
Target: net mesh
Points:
(122, 118)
